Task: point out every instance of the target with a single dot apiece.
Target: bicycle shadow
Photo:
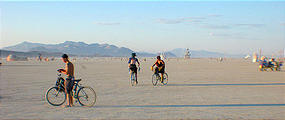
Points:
(180, 106)
(237, 84)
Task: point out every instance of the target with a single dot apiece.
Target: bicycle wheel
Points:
(155, 79)
(86, 96)
(133, 79)
(55, 96)
(165, 79)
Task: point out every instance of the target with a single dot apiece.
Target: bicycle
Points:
(156, 77)
(56, 96)
(133, 78)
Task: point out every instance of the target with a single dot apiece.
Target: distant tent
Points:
(246, 57)
(16, 58)
(254, 57)
(162, 56)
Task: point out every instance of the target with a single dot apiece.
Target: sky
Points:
(232, 27)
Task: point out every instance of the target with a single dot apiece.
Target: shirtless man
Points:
(68, 83)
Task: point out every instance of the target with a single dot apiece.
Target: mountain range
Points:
(95, 50)
(76, 48)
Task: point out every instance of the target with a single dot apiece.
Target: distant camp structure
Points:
(247, 57)
(187, 54)
(40, 57)
(254, 57)
(46, 59)
(162, 56)
(16, 58)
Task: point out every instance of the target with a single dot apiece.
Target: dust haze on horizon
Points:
(226, 27)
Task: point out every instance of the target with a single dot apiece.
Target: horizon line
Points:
(142, 1)
(141, 51)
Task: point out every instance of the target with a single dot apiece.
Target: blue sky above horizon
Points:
(224, 26)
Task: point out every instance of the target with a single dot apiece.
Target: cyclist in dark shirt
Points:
(132, 65)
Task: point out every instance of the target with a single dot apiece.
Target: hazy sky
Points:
(227, 27)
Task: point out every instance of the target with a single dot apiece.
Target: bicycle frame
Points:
(75, 91)
(79, 92)
(60, 84)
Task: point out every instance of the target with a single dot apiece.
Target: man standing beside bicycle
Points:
(133, 67)
(68, 83)
(160, 67)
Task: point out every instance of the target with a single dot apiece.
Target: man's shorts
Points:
(134, 68)
(69, 82)
(159, 71)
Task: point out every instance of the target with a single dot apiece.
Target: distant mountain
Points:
(76, 48)
(180, 52)
(102, 50)
(5, 53)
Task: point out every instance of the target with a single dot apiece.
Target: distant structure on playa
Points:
(283, 53)
(16, 58)
(40, 57)
(246, 57)
(187, 54)
(254, 57)
(162, 56)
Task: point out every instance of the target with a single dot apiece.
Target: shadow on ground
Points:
(239, 84)
(167, 106)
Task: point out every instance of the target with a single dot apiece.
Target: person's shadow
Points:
(236, 84)
(179, 106)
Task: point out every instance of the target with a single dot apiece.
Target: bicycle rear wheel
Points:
(55, 96)
(155, 78)
(86, 96)
(133, 79)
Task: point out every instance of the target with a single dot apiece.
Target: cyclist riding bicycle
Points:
(69, 81)
(160, 67)
(132, 65)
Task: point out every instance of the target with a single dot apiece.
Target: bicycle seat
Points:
(77, 80)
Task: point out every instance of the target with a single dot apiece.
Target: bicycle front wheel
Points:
(155, 79)
(165, 79)
(86, 96)
(55, 96)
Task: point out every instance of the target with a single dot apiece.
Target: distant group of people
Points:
(271, 63)
(40, 58)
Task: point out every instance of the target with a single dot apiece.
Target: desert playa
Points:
(197, 89)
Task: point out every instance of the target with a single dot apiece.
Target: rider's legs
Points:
(156, 70)
(68, 89)
(162, 73)
(133, 69)
(136, 75)
(161, 77)
(67, 92)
